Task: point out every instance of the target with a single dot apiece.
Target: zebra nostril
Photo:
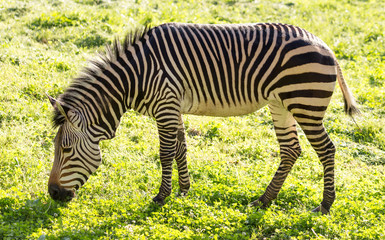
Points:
(54, 191)
(60, 194)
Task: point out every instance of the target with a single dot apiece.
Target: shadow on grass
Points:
(198, 221)
(179, 216)
(21, 218)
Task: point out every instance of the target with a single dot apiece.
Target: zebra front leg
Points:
(166, 159)
(167, 138)
(286, 132)
(180, 158)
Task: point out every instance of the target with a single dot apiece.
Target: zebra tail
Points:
(351, 107)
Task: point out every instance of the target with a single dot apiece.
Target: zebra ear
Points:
(51, 100)
(61, 110)
(57, 106)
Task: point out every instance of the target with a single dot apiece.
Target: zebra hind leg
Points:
(325, 149)
(286, 132)
(180, 158)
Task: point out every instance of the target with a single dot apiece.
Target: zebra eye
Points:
(67, 142)
(69, 139)
(75, 118)
(69, 136)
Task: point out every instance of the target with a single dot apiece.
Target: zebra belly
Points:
(216, 110)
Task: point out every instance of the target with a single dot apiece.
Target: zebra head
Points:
(77, 153)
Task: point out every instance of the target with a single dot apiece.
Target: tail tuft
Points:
(352, 110)
(351, 107)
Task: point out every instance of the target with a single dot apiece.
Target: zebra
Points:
(200, 69)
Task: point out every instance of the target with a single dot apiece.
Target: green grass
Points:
(44, 44)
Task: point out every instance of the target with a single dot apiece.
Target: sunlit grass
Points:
(44, 44)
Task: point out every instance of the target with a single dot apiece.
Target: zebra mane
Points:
(97, 65)
(117, 49)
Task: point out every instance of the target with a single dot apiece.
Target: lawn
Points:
(44, 44)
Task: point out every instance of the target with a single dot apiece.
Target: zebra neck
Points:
(140, 78)
(126, 77)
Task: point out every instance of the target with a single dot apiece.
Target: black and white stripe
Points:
(216, 70)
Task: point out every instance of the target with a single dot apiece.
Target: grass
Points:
(44, 44)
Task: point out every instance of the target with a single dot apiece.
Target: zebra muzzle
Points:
(58, 193)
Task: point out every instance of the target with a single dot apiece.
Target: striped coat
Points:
(215, 70)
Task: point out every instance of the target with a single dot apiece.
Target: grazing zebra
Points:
(213, 70)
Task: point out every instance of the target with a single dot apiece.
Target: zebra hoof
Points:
(158, 200)
(182, 194)
(259, 204)
(321, 209)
